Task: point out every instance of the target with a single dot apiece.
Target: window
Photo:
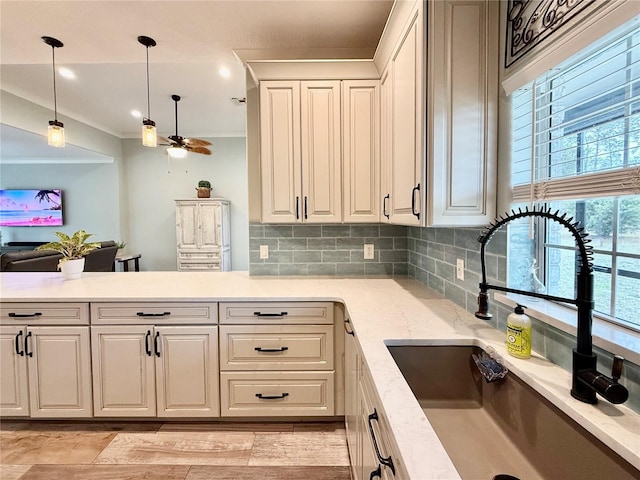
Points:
(576, 148)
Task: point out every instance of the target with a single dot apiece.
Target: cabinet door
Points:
(321, 156)
(59, 371)
(407, 153)
(187, 224)
(209, 226)
(352, 402)
(463, 58)
(123, 371)
(187, 371)
(14, 389)
(280, 151)
(361, 150)
(386, 117)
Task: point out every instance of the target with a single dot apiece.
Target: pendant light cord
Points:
(148, 90)
(55, 101)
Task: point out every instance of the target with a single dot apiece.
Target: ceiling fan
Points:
(194, 145)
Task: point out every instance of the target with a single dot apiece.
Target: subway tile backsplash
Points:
(328, 250)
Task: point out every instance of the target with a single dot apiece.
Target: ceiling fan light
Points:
(149, 134)
(176, 152)
(55, 134)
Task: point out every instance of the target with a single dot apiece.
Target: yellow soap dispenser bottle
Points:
(519, 333)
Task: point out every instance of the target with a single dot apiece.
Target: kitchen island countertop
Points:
(383, 311)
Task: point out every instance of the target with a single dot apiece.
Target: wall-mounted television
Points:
(30, 208)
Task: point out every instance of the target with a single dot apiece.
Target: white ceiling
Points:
(194, 39)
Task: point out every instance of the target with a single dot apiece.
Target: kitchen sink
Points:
(503, 427)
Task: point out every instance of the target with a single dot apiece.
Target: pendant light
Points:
(149, 134)
(55, 133)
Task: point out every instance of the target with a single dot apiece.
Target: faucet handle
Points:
(616, 369)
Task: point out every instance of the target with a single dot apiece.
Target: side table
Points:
(125, 259)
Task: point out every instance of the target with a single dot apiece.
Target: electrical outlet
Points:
(368, 251)
(460, 269)
(264, 252)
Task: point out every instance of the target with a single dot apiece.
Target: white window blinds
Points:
(576, 131)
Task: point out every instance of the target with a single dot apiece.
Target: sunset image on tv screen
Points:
(30, 208)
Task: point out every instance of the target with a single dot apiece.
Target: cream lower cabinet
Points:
(154, 368)
(277, 359)
(371, 448)
(45, 371)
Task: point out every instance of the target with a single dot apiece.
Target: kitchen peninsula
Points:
(382, 312)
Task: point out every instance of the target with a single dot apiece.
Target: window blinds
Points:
(576, 130)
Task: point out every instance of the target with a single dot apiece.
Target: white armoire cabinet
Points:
(300, 151)
(202, 234)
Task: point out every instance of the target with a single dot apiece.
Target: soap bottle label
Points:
(519, 341)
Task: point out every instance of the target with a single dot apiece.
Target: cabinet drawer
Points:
(44, 313)
(153, 313)
(198, 255)
(276, 347)
(276, 394)
(277, 313)
(203, 265)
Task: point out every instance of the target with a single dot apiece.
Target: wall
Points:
(153, 182)
(328, 249)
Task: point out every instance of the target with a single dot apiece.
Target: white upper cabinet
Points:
(439, 113)
(300, 151)
(361, 150)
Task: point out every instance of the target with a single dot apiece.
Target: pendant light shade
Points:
(176, 152)
(55, 132)
(149, 134)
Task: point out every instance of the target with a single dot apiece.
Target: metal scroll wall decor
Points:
(533, 22)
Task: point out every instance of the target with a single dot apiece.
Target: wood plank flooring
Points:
(46, 450)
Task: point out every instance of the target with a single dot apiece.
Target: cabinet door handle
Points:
(271, 350)
(163, 314)
(260, 314)
(18, 351)
(24, 315)
(388, 462)
(305, 207)
(350, 329)
(156, 345)
(26, 345)
(297, 207)
(413, 201)
(384, 205)
(376, 473)
(147, 348)
(271, 397)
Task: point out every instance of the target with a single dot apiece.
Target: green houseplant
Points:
(73, 249)
(204, 189)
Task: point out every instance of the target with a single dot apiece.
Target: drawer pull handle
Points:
(271, 350)
(376, 473)
(350, 329)
(147, 348)
(388, 462)
(18, 351)
(24, 315)
(413, 201)
(156, 347)
(271, 397)
(260, 314)
(163, 314)
(384, 205)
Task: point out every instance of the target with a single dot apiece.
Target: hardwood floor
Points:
(47, 450)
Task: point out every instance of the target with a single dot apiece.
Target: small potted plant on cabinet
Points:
(73, 249)
(204, 189)
(120, 246)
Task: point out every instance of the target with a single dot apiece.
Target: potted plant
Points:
(120, 246)
(204, 189)
(73, 250)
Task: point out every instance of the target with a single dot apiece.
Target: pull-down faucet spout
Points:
(586, 380)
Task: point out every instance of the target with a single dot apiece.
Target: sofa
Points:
(99, 260)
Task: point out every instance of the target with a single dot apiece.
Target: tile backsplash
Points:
(328, 249)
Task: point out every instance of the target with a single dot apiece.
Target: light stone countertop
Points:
(381, 310)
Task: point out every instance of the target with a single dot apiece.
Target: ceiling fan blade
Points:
(196, 142)
(202, 150)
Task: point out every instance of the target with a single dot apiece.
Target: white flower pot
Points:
(72, 269)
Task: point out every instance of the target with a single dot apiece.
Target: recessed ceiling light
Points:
(66, 73)
(136, 113)
(224, 72)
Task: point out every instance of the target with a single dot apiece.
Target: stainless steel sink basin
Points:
(503, 427)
